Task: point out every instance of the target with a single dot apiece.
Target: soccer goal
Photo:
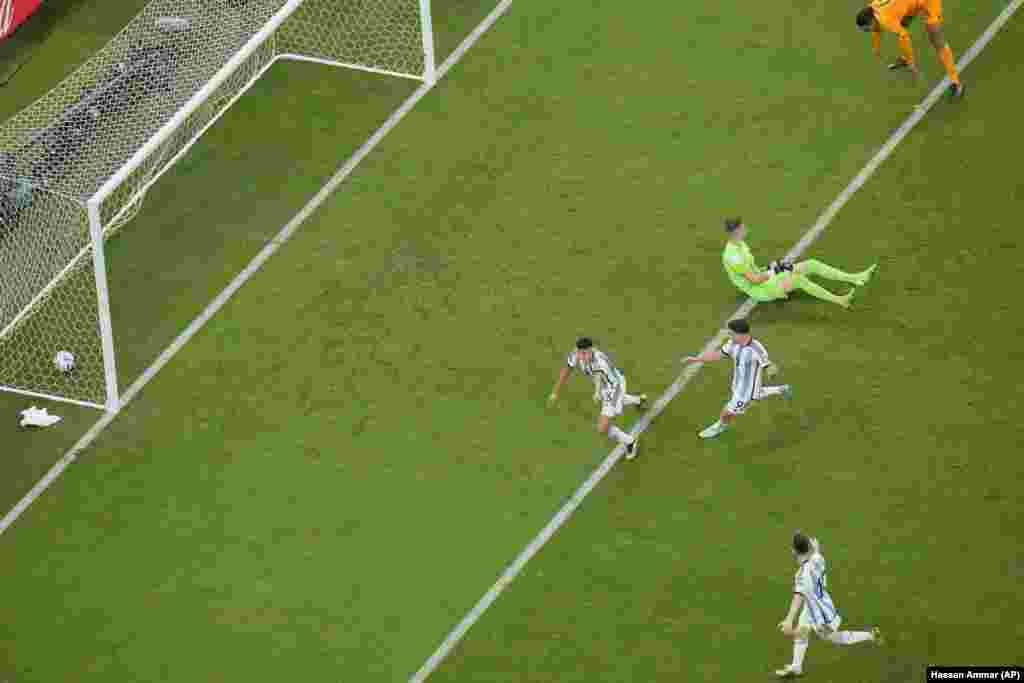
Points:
(75, 166)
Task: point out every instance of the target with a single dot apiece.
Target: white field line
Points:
(560, 518)
(269, 250)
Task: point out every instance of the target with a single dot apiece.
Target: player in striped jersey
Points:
(609, 390)
(814, 605)
(750, 361)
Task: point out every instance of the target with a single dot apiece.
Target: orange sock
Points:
(946, 55)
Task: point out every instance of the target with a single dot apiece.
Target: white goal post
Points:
(76, 165)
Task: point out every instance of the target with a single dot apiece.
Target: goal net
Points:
(75, 166)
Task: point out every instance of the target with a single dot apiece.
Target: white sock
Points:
(630, 400)
(850, 637)
(799, 650)
(772, 391)
(616, 434)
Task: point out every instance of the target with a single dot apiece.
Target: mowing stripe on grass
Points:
(691, 371)
(268, 250)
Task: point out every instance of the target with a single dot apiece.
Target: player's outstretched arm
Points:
(876, 43)
(562, 376)
(706, 357)
(907, 51)
(786, 625)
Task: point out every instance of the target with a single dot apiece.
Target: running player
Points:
(814, 605)
(609, 390)
(896, 16)
(750, 360)
(781, 277)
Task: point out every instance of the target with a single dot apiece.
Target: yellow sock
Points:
(947, 61)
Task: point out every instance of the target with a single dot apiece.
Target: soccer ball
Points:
(64, 361)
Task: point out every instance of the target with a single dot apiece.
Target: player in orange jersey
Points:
(896, 16)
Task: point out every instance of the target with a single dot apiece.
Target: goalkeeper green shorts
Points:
(772, 290)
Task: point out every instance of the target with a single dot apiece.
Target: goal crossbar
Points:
(232, 66)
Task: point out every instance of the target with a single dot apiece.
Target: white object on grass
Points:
(64, 361)
(38, 417)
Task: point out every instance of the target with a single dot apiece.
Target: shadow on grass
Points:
(798, 308)
(763, 451)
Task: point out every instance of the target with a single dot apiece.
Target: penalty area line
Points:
(687, 375)
(268, 250)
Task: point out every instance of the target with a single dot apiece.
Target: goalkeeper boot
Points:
(956, 91)
(864, 277)
(899, 64)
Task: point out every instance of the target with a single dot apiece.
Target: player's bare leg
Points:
(722, 425)
(937, 38)
(783, 390)
(605, 426)
(800, 636)
(854, 637)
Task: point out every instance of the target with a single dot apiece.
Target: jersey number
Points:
(819, 587)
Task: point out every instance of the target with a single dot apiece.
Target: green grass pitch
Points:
(342, 462)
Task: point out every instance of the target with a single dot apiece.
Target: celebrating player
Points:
(609, 390)
(781, 277)
(896, 16)
(750, 360)
(814, 605)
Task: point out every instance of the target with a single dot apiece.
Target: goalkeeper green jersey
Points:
(738, 260)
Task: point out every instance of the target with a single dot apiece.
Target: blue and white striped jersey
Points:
(812, 583)
(747, 362)
(601, 368)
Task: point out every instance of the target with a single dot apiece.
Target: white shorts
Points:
(612, 403)
(821, 630)
(738, 404)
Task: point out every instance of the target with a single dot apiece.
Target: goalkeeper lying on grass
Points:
(781, 277)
